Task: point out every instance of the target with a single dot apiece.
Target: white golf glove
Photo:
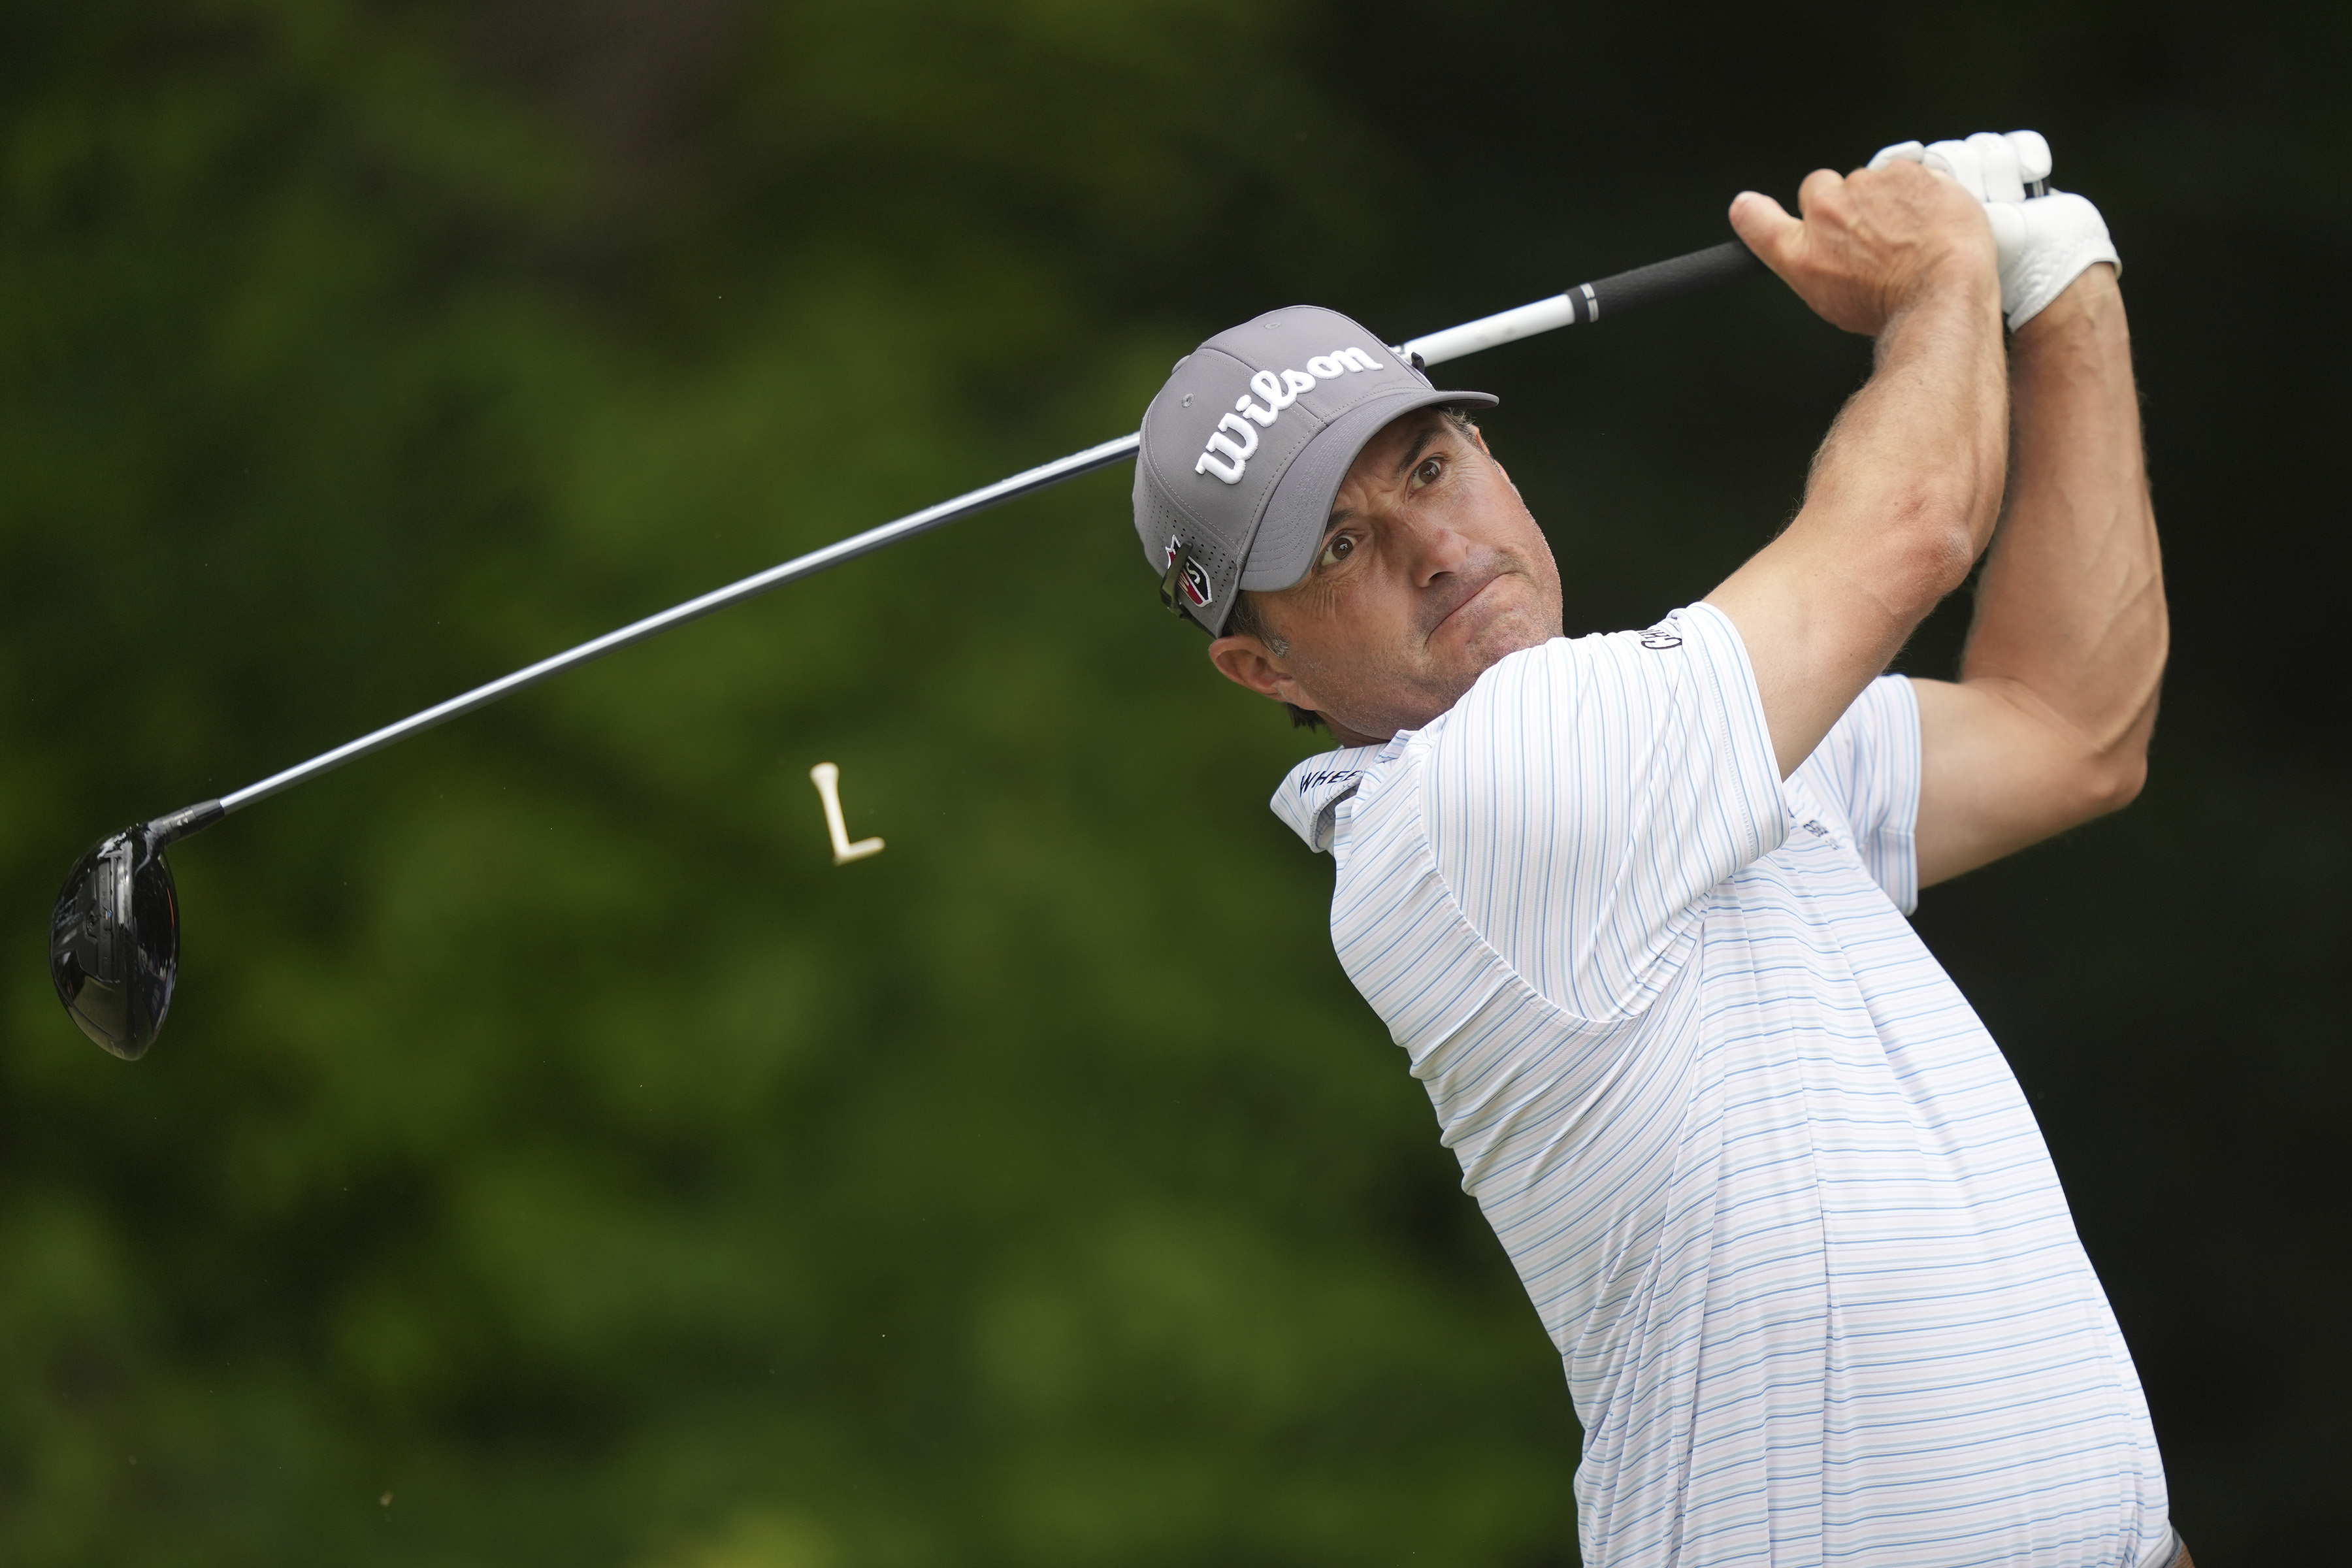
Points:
(2044, 242)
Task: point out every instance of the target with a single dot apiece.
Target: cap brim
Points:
(1300, 508)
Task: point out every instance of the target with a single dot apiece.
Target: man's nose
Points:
(1433, 550)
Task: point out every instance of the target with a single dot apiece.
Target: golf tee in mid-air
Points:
(827, 779)
(114, 934)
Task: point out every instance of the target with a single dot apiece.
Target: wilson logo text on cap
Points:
(1280, 391)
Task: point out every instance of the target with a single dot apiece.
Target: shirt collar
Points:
(1309, 797)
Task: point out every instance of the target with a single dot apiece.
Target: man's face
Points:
(1431, 570)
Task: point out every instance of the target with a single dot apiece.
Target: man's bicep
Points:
(1995, 775)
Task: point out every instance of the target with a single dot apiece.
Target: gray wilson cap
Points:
(1245, 446)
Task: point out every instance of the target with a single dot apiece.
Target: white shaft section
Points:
(1485, 333)
(856, 544)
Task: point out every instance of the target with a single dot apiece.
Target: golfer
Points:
(1634, 902)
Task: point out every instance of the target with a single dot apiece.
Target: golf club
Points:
(114, 935)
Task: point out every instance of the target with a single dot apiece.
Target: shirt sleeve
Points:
(1586, 795)
(1867, 769)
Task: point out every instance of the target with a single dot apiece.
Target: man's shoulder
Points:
(1534, 684)
(1499, 729)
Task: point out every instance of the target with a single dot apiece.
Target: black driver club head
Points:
(114, 940)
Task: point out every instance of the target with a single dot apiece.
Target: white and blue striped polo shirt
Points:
(1771, 1185)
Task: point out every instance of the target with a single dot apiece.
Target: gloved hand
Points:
(2046, 242)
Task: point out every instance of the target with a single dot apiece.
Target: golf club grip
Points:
(1665, 279)
(1588, 302)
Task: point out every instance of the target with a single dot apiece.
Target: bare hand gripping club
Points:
(114, 936)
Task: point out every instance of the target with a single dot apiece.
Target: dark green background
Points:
(550, 1139)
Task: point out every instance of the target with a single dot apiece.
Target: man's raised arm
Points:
(2049, 723)
(1905, 491)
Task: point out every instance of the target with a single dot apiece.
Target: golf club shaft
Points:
(1586, 302)
(792, 570)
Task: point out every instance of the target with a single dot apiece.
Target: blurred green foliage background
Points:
(553, 1159)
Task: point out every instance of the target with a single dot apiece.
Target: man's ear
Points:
(1245, 661)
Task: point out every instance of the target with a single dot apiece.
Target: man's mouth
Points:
(1466, 595)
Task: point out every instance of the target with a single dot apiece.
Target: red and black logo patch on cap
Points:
(1182, 561)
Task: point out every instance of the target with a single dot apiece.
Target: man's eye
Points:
(1339, 550)
(1431, 468)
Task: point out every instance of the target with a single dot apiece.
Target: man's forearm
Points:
(1903, 492)
(2070, 621)
(1925, 441)
(1902, 497)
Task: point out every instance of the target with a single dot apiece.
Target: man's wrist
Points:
(1959, 289)
(2083, 302)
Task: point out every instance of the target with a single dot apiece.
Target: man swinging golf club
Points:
(1634, 902)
